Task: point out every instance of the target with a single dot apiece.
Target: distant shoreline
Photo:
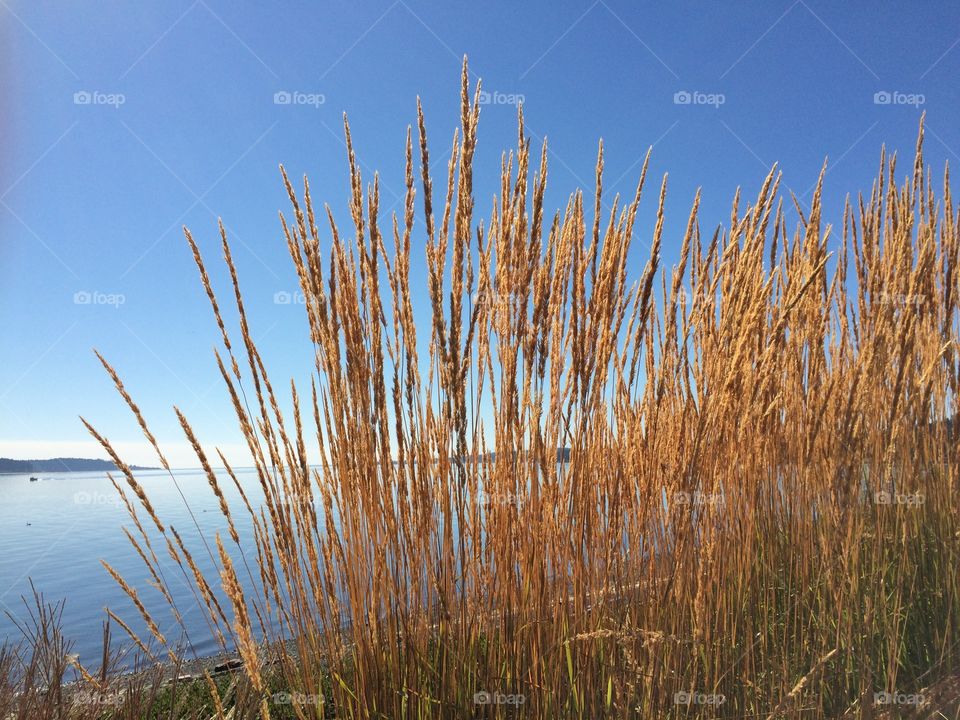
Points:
(11, 466)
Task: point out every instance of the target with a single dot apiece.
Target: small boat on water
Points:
(33, 479)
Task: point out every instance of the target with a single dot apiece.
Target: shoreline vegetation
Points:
(471, 577)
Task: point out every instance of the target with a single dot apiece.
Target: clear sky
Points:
(120, 122)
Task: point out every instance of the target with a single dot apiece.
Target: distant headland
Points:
(8, 465)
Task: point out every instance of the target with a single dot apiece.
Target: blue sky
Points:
(122, 122)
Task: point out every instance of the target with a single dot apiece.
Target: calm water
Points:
(57, 530)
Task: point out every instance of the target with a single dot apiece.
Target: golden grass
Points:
(730, 420)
